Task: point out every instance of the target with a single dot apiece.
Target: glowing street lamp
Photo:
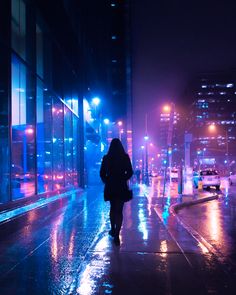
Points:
(212, 128)
(166, 108)
(142, 149)
(106, 121)
(96, 101)
(146, 138)
(120, 124)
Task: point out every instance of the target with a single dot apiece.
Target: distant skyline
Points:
(172, 42)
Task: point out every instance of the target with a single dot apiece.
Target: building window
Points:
(23, 132)
(58, 144)
(18, 26)
(68, 146)
(44, 139)
(39, 51)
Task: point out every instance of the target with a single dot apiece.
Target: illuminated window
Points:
(113, 37)
(23, 132)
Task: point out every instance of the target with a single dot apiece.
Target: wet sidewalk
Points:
(64, 248)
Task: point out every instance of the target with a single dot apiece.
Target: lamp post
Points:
(170, 109)
(120, 123)
(146, 138)
(142, 149)
(106, 122)
(96, 101)
(212, 128)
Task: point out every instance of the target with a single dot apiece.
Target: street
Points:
(215, 222)
(64, 247)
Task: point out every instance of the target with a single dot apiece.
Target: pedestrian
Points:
(116, 170)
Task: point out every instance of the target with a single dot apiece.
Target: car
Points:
(153, 174)
(210, 178)
(232, 178)
(174, 174)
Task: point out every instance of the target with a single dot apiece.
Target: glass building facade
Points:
(41, 126)
(54, 55)
(214, 104)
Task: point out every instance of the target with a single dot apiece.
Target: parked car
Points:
(174, 174)
(210, 178)
(232, 178)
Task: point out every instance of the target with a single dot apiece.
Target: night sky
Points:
(172, 42)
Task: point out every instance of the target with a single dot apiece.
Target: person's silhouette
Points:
(115, 170)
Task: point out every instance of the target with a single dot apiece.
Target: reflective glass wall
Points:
(39, 122)
(23, 169)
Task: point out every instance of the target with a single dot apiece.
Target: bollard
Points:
(180, 181)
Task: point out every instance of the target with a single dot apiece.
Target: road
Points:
(64, 248)
(215, 221)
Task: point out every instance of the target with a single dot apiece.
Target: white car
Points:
(232, 179)
(210, 178)
(174, 174)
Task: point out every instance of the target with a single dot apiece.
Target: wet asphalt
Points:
(64, 248)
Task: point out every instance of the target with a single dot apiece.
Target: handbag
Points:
(128, 195)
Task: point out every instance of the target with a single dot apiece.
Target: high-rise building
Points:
(107, 55)
(169, 135)
(212, 119)
(53, 55)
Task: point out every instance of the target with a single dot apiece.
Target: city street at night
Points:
(117, 147)
(64, 247)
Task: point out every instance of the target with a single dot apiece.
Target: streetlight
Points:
(106, 121)
(120, 124)
(146, 138)
(106, 124)
(212, 128)
(166, 108)
(170, 111)
(96, 101)
(142, 149)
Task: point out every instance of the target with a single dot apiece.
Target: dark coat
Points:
(114, 173)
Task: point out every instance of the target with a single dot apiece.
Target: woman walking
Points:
(115, 170)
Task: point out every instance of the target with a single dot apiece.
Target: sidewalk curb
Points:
(178, 206)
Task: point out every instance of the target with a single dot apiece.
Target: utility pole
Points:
(146, 151)
(170, 134)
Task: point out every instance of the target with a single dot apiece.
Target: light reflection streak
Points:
(87, 284)
(214, 222)
(128, 222)
(203, 248)
(91, 272)
(54, 243)
(142, 224)
(85, 212)
(163, 248)
(71, 244)
(40, 203)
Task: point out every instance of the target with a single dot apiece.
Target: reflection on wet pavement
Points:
(215, 222)
(64, 248)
